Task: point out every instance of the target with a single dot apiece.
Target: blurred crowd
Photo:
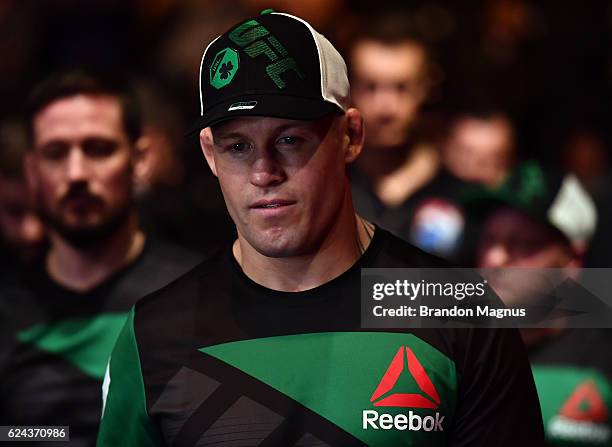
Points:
(487, 143)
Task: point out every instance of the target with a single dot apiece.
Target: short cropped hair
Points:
(481, 109)
(67, 84)
(392, 29)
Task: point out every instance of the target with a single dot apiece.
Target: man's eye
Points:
(99, 147)
(240, 148)
(404, 87)
(367, 87)
(54, 151)
(289, 141)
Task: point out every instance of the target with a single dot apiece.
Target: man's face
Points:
(388, 86)
(20, 227)
(512, 239)
(480, 150)
(81, 166)
(283, 181)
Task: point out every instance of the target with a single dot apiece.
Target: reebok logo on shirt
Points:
(384, 397)
(583, 417)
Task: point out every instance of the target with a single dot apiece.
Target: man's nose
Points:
(266, 170)
(76, 169)
(385, 101)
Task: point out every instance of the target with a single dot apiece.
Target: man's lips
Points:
(272, 204)
(81, 203)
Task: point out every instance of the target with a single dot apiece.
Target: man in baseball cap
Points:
(548, 198)
(543, 219)
(249, 72)
(262, 343)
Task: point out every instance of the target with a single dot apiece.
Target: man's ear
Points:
(207, 145)
(354, 136)
(143, 161)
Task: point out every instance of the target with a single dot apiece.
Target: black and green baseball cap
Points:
(273, 65)
(552, 197)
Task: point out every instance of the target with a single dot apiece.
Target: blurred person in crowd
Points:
(22, 233)
(586, 153)
(390, 74)
(544, 221)
(85, 156)
(162, 135)
(478, 148)
(175, 200)
(185, 25)
(256, 342)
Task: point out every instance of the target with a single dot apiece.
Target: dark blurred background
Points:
(483, 93)
(545, 62)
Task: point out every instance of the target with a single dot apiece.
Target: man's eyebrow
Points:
(228, 135)
(220, 135)
(298, 126)
(51, 142)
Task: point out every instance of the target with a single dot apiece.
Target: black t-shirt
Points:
(432, 218)
(55, 343)
(216, 359)
(372, 208)
(573, 375)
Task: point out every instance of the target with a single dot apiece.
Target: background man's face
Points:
(512, 239)
(81, 165)
(20, 227)
(480, 150)
(388, 86)
(283, 180)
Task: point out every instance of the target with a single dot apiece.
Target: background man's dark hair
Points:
(480, 108)
(66, 84)
(13, 145)
(397, 28)
(392, 29)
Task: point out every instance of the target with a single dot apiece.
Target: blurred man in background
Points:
(86, 154)
(544, 221)
(390, 78)
(22, 233)
(176, 198)
(480, 146)
(478, 149)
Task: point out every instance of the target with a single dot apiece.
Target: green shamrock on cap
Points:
(224, 68)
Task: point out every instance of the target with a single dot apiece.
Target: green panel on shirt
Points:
(576, 405)
(336, 375)
(85, 342)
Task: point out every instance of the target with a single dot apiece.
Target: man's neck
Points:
(82, 269)
(345, 243)
(396, 174)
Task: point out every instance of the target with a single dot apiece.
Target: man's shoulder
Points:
(167, 321)
(186, 288)
(169, 257)
(21, 302)
(159, 264)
